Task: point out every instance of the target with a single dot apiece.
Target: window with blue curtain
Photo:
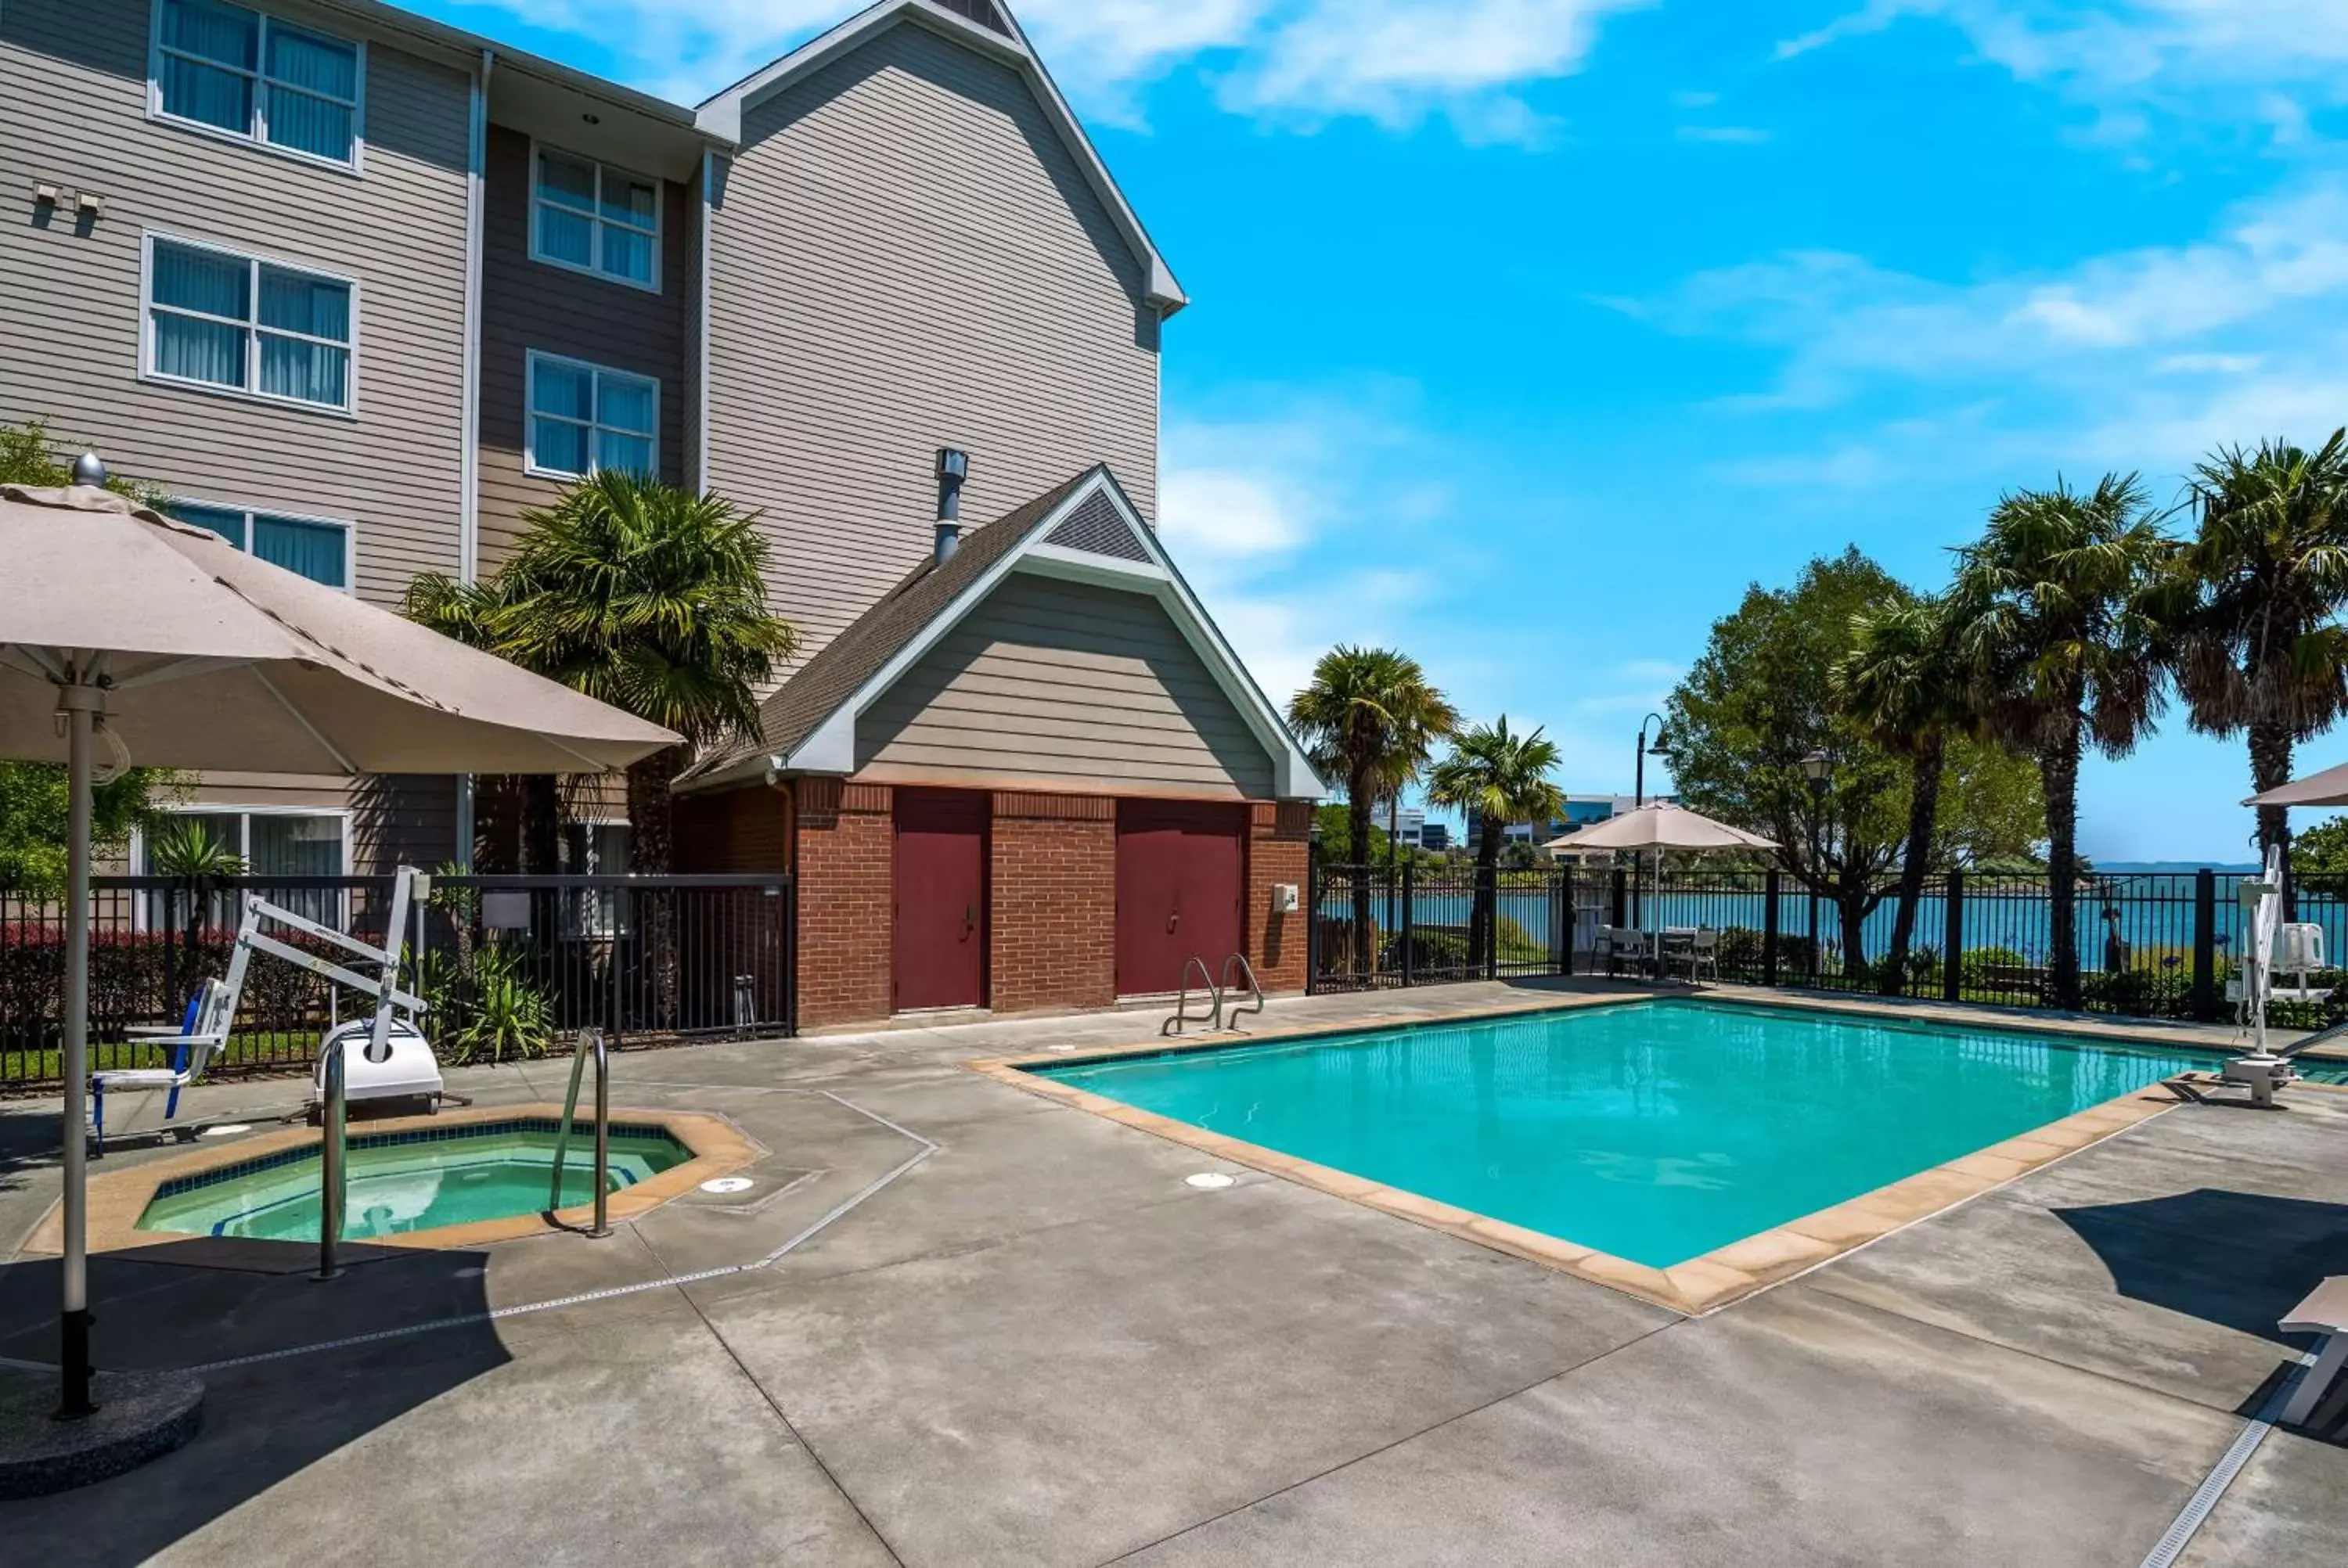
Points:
(233, 320)
(202, 299)
(584, 417)
(595, 218)
(320, 552)
(254, 76)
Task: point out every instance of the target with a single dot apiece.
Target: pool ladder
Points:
(590, 1040)
(1216, 991)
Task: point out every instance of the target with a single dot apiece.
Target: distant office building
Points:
(1434, 836)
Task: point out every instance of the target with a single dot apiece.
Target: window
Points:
(272, 844)
(319, 549)
(245, 74)
(594, 219)
(584, 417)
(224, 319)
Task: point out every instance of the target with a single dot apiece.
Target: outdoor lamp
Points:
(1816, 767)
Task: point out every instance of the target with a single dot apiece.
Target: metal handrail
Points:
(579, 1053)
(1214, 1020)
(1246, 972)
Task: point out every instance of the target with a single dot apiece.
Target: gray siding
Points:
(73, 81)
(396, 818)
(527, 306)
(906, 257)
(1055, 683)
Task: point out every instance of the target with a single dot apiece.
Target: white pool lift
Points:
(2265, 937)
(395, 1063)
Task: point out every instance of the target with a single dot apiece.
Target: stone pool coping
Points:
(1699, 1284)
(118, 1198)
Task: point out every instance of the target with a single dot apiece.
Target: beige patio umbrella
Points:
(2329, 788)
(179, 650)
(1665, 825)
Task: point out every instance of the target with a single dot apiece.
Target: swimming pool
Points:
(1656, 1130)
(410, 1181)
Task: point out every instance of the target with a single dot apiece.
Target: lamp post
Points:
(1817, 768)
(1639, 755)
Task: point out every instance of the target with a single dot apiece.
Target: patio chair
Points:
(2324, 1311)
(1615, 942)
(1700, 950)
(202, 1031)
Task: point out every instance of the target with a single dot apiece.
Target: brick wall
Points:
(1279, 838)
(735, 830)
(847, 841)
(1052, 943)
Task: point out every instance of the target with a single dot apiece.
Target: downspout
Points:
(701, 324)
(469, 445)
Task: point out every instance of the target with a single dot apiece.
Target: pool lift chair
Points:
(2263, 1071)
(395, 1063)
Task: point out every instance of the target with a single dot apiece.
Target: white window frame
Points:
(254, 260)
(256, 136)
(530, 416)
(350, 530)
(142, 905)
(595, 269)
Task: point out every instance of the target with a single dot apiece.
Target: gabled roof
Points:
(1085, 529)
(988, 28)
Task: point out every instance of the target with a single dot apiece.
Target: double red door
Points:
(939, 957)
(1180, 885)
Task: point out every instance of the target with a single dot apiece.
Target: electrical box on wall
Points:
(1283, 897)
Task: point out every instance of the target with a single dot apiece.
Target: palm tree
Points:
(530, 804)
(2060, 645)
(1499, 778)
(1369, 718)
(644, 595)
(2252, 602)
(1901, 682)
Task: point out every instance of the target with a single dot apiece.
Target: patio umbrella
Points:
(2329, 788)
(1665, 825)
(181, 651)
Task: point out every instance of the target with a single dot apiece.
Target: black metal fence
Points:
(507, 964)
(2149, 944)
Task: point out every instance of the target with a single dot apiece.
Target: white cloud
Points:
(1730, 135)
(2141, 358)
(1845, 318)
(1394, 61)
(2242, 57)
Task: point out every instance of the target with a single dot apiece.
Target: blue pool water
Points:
(1654, 1130)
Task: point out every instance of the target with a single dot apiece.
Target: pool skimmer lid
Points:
(1210, 1180)
(228, 1130)
(727, 1184)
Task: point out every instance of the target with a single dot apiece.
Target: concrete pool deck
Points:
(1022, 1338)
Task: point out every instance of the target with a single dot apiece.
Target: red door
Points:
(1180, 886)
(939, 953)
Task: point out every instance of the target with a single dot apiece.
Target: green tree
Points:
(2061, 646)
(33, 794)
(1499, 778)
(1337, 825)
(2251, 605)
(1766, 694)
(1760, 699)
(2322, 850)
(644, 595)
(1369, 717)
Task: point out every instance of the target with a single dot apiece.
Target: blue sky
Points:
(1527, 332)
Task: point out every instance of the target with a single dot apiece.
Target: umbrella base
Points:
(140, 1416)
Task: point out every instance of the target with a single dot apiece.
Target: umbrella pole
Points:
(80, 704)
